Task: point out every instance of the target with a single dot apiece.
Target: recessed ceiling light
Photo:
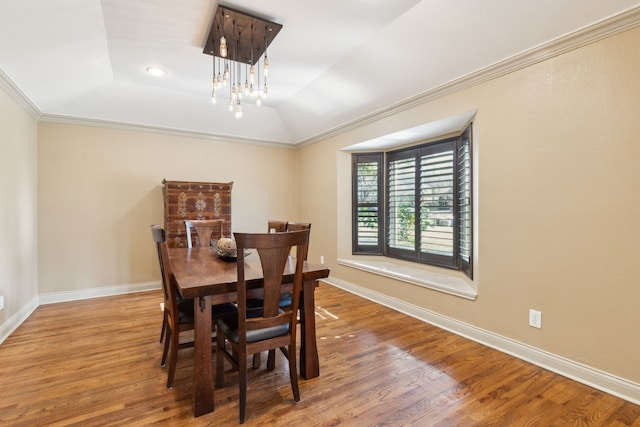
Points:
(155, 71)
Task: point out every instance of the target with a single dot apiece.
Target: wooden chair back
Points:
(206, 229)
(297, 226)
(273, 249)
(168, 288)
(276, 226)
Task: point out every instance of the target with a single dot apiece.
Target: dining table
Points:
(208, 279)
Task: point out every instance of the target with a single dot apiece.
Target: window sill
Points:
(416, 276)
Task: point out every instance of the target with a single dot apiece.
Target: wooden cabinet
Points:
(194, 200)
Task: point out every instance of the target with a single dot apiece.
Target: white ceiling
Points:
(334, 61)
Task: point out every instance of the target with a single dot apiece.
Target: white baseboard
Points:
(16, 320)
(55, 297)
(620, 387)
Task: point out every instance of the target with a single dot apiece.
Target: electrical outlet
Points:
(535, 318)
(1, 302)
(322, 259)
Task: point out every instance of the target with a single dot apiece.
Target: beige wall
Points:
(100, 189)
(18, 209)
(558, 204)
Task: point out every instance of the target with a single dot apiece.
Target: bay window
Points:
(415, 203)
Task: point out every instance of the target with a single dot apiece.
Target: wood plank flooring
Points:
(97, 363)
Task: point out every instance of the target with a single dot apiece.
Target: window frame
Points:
(378, 159)
(461, 200)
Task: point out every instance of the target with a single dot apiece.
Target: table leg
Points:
(202, 371)
(309, 364)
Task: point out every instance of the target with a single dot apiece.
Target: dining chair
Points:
(268, 326)
(206, 230)
(273, 226)
(285, 299)
(178, 313)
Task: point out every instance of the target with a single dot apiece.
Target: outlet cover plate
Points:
(535, 318)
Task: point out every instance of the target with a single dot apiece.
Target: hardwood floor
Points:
(97, 362)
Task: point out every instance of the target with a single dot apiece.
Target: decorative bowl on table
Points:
(225, 248)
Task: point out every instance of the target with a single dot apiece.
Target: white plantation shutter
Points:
(436, 200)
(465, 202)
(367, 203)
(401, 195)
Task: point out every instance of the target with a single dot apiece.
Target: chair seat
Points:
(285, 301)
(185, 311)
(225, 309)
(186, 315)
(228, 324)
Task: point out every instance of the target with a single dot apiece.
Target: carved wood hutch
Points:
(194, 200)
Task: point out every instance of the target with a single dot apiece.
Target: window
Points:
(416, 203)
(368, 207)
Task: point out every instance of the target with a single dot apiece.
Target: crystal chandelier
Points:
(238, 45)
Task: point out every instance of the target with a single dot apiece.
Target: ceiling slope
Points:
(333, 63)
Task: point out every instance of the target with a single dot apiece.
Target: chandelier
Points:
(238, 44)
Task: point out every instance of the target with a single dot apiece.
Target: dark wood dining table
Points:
(202, 275)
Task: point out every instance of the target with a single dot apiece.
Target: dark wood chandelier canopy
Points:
(247, 36)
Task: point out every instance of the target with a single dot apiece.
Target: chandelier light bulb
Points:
(238, 111)
(252, 74)
(259, 100)
(223, 47)
(230, 105)
(266, 65)
(264, 92)
(214, 100)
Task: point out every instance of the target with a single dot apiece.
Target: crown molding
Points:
(593, 33)
(81, 121)
(18, 96)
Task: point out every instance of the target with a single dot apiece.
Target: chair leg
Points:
(271, 360)
(256, 361)
(165, 351)
(220, 360)
(173, 357)
(293, 374)
(164, 325)
(242, 377)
